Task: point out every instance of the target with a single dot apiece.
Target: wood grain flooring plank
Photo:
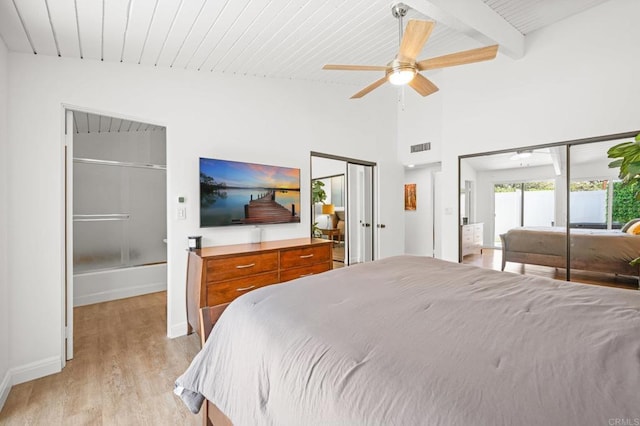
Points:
(122, 373)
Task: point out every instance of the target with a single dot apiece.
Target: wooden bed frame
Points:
(209, 315)
(618, 268)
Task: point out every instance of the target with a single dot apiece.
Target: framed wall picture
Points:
(410, 196)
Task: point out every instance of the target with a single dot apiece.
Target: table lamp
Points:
(328, 209)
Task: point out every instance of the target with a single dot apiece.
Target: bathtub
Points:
(102, 286)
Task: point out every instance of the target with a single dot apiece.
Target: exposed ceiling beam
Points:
(557, 158)
(475, 19)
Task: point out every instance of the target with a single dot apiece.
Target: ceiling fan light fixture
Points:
(400, 73)
(401, 77)
(405, 68)
(520, 155)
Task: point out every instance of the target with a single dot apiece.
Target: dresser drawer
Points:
(224, 292)
(241, 266)
(293, 273)
(305, 256)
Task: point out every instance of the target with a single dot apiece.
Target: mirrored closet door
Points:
(342, 206)
(554, 210)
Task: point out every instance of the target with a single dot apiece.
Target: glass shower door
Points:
(119, 215)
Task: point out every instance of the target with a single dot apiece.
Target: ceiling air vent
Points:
(421, 147)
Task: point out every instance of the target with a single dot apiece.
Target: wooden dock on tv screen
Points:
(266, 210)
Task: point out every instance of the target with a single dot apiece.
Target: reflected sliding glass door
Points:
(522, 204)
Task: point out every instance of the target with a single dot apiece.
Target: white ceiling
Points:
(289, 39)
(530, 15)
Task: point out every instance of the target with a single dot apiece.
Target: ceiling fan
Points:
(404, 69)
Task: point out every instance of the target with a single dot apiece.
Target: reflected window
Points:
(588, 200)
(523, 204)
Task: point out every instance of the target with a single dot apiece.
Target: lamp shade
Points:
(327, 209)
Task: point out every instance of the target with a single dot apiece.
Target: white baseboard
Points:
(35, 370)
(5, 387)
(116, 294)
(177, 330)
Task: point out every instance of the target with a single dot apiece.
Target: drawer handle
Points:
(246, 288)
(251, 265)
(306, 256)
(306, 275)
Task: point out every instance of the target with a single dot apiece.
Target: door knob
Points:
(367, 225)
(381, 225)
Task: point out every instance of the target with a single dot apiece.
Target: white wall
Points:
(211, 115)
(418, 223)
(578, 79)
(4, 276)
(420, 121)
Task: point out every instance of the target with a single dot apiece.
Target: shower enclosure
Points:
(119, 208)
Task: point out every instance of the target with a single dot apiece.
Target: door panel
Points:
(360, 212)
(67, 326)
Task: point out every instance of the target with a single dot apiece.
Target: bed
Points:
(414, 341)
(597, 250)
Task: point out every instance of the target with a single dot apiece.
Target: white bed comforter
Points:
(418, 341)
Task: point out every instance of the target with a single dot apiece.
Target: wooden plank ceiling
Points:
(289, 39)
(92, 123)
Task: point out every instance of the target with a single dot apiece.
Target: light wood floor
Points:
(492, 259)
(122, 374)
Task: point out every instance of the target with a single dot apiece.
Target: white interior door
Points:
(360, 213)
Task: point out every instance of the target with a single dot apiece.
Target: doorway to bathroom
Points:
(116, 211)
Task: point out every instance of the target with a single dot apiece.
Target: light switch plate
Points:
(182, 213)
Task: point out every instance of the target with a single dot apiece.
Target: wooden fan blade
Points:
(354, 67)
(370, 88)
(460, 58)
(415, 36)
(423, 85)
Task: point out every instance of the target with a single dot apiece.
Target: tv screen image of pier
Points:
(238, 193)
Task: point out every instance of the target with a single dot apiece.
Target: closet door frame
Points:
(567, 146)
(347, 161)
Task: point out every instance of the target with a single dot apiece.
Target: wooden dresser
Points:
(217, 275)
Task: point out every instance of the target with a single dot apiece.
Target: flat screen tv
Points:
(236, 193)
